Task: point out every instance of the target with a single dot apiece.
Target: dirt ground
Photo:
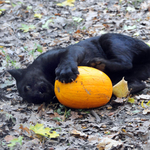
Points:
(31, 27)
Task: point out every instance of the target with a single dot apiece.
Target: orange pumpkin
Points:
(92, 88)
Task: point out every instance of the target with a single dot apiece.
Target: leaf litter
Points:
(29, 28)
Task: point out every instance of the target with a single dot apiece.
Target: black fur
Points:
(115, 54)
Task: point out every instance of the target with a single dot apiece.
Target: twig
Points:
(96, 116)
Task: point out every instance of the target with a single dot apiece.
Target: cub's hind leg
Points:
(136, 76)
(111, 65)
(136, 86)
(97, 63)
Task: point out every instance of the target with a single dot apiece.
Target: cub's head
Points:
(33, 86)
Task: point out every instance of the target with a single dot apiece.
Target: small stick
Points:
(96, 116)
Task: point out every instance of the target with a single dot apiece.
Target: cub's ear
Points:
(17, 73)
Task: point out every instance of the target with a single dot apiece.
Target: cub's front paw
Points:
(97, 63)
(66, 73)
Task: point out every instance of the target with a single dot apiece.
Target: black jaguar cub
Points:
(115, 54)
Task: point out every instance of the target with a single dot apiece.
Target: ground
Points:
(29, 28)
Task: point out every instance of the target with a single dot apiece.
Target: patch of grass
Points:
(8, 59)
(15, 141)
(136, 3)
(77, 21)
(67, 113)
(26, 28)
(57, 119)
(84, 28)
(37, 47)
(63, 110)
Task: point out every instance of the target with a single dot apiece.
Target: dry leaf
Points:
(39, 16)
(142, 96)
(146, 111)
(67, 3)
(1, 2)
(78, 133)
(24, 129)
(8, 138)
(121, 88)
(107, 144)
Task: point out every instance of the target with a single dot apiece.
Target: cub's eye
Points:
(27, 88)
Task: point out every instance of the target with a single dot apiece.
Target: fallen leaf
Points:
(93, 139)
(131, 100)
(147, 145)
(8, 138)
(142, 104)
(107, 144)
(15, 140)
(136, 111)
(7, 84)
(145, 105)
(1, 2)
(2, 11)
(26, 28)
(123, 130)
(129, 9)
(121, 88)
(57, 119)
(40, 130)
(29, 7)
(119, 100)
(109, 107)
(146, 111)
(47, 23)
(148, 103)
(78, 133)
(136, 34)
(142, 96)
(38, 16)
(40, 107)
(58, 14)
(77, 19)
(67, 3)
(129, 27)
(90, 15)
(74, 115)
(24, 129)
(39, 48)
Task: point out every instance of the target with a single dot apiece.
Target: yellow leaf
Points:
(148, 103)
(66, 3)
(142, 104)
(38, 16)
(124, 130)
(121, 88)
(131, 100)
(107, 132)
(39, 129)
